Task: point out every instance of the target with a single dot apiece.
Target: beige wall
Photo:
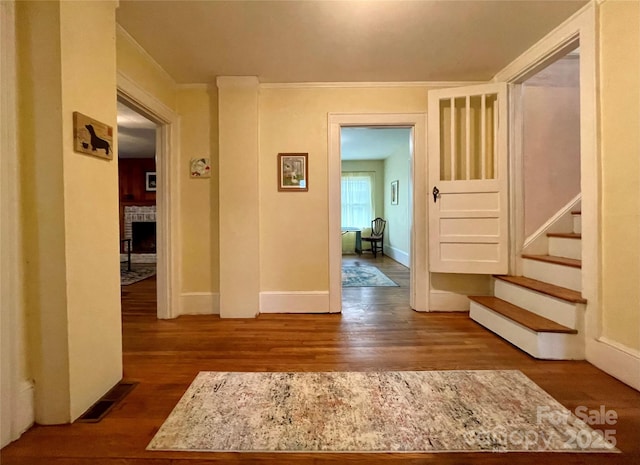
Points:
(620, 149)
(294, 227)
(134, 61)
(72, 274)
(396, 168)
(195, 194)
(551, 142)
(198, 197)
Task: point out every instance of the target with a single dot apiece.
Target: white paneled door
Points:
(468, 180)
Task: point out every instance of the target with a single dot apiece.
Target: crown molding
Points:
(394, 84)
(194, 86)
(237, 81)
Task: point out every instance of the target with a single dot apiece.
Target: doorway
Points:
(414, 202)
(547, 148)
(137, 179)
(375, 173)
(167, 191)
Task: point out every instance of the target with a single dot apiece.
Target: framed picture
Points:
(150, 181)
(293, 172)
(92, 137)
(394, 193)
(200, 168)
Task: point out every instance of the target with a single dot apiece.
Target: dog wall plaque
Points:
(92, 137)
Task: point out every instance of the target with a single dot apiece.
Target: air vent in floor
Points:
(98, 410)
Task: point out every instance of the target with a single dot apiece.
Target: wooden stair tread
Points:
(576, 212)
(552, 290)
(566, 235)
(521, 316)
(572, 262)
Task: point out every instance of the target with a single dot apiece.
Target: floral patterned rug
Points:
(364, 276)
(402, 411)
(138, 272)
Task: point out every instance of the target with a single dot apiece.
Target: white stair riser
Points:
(577, 224)
(547, 346)
(560, 275)
(565, 247)
(566, 313)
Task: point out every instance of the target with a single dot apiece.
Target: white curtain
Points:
(357, 199)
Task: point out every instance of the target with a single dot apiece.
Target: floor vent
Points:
(100, 409)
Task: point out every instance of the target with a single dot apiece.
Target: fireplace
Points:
(143, 237)
(140, 227)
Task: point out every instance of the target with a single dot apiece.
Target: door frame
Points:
(167, 194)
(580, 27)
(418, 254)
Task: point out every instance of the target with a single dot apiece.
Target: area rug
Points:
(402, 411)
(139, 271)
(364, 276)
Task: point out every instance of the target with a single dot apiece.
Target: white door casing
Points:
(168, 193)
(468, 180)
(419, 276)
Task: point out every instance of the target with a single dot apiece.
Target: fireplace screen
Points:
(143, 237)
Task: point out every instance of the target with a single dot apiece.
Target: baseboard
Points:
(398, 255)
(446, 301)
(615, 359)
(294, 302)
(25, 408)
(200, 303)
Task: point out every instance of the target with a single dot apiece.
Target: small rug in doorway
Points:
(139, 271)
(364, 276)
(401, 411)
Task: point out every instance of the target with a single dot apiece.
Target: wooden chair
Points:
(377, 236)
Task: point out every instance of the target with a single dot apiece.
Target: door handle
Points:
(436, 192)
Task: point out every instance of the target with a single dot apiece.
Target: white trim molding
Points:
(16, 393)
(447, 301)
(294, 302)
(25, 407)
(200, 303)
(398, 255)
(350, 85)
(615, 359)
(145, 54)
(168, 193)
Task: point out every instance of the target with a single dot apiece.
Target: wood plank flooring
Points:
(376, 331)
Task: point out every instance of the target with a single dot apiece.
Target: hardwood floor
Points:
(376, 331)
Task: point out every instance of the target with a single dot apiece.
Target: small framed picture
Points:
(150, 181)
(92, 137)
(293, 172)
(200, 168)
(394, 193)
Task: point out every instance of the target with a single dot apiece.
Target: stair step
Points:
(565, 235)
(555, 260)
(565, 245)
(576, 212)
(562, 293)
(521, 316)
(577, 221)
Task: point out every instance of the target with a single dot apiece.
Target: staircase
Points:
(541, 312)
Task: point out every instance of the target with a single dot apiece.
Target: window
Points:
(357, 199)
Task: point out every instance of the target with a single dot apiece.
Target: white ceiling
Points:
(373, 143)
(349, 41)
(136, 134)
